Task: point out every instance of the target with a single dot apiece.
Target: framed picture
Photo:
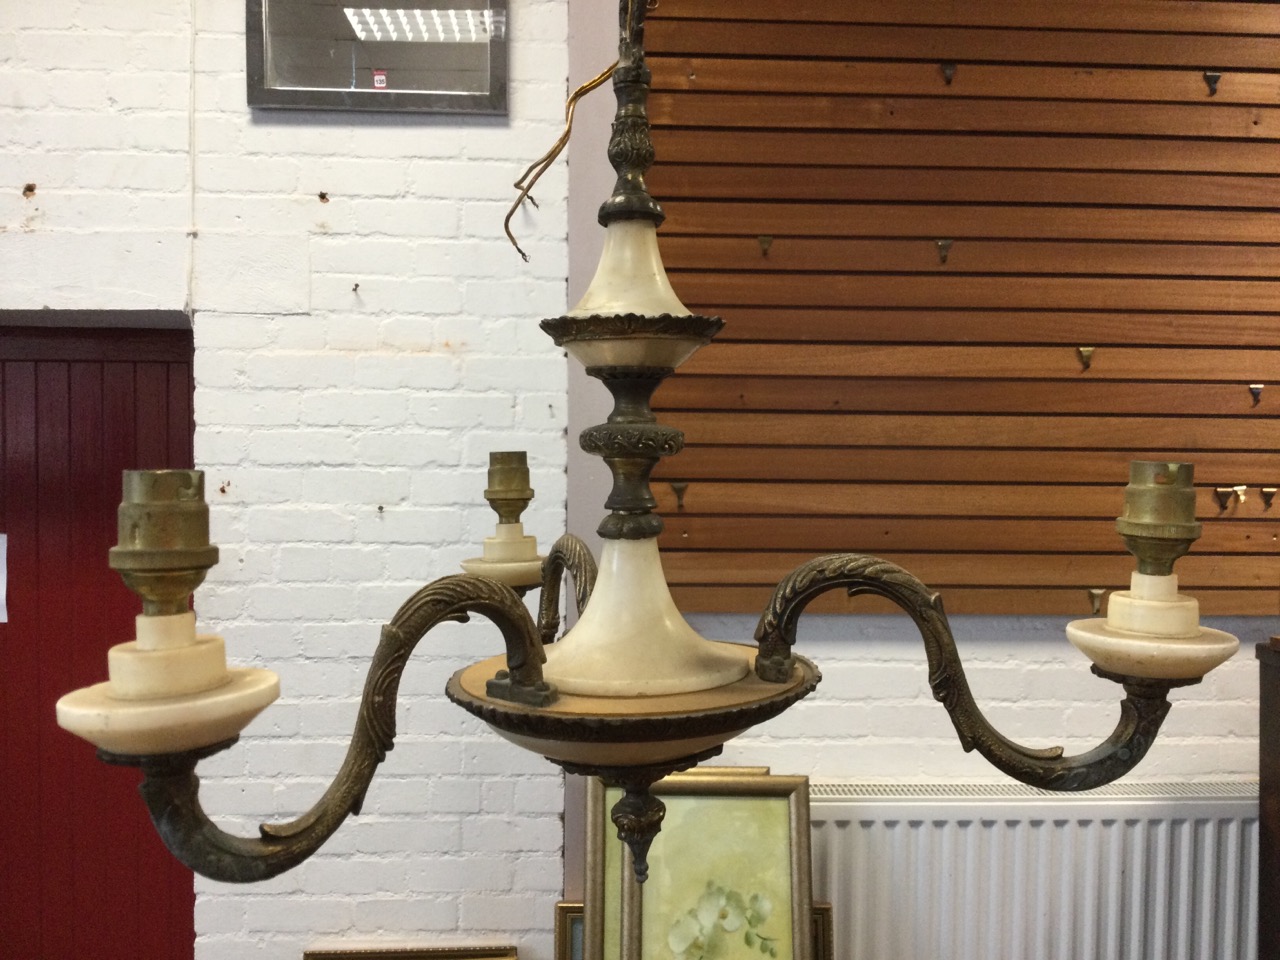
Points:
(432, 56)
(571, 945)
(729, 875)
(414, 953)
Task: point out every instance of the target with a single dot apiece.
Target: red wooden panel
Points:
(91, 878)
(119, 400)
(20, 819)
(52, 628)
(92, 845)
(151, 436)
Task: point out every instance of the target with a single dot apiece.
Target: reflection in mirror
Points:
(434, 55)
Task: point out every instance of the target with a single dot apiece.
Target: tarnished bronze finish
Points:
(623, 728)
(1158, 521)
(638, 815)
(164, 551)
(630, 146)
(631, 443)
(509, 492)
(567, 555)
(1141, 711)
(171, 788)
(632, 326)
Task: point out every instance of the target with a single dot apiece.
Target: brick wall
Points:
(356, 361)
(873, 716)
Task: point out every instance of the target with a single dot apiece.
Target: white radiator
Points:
(1007, 872)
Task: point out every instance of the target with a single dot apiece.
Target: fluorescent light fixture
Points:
(445, 26)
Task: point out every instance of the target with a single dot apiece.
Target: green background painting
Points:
(741, 846)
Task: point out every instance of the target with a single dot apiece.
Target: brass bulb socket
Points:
(1158, 522)
(163, 552)
(508, 492)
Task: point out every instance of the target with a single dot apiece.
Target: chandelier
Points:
(631, 693)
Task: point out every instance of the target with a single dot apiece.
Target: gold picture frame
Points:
(749, 834)
(506, 952)
(570, 943)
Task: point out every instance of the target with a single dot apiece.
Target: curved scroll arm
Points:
(1141, 711)
(171, 787)
(568, 554)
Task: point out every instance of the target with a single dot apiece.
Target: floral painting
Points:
(728, 874)
(714, 898)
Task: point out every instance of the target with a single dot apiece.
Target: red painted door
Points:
(82, 874)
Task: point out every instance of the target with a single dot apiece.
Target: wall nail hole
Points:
(324, 196)
(224, 486)
(380, 508)
(356, 288)
(29, 190)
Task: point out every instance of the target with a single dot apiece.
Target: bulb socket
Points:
(163, 552)
(1158, 521)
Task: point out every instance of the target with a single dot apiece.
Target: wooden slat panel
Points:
(1135, 434)
(715, 182)
(932, 114)
(961, 600)
(948, 569)
(937, 44)
(1004, 362)
(968, 292)
(690, 392)
(890, 465)
(964, 535)
(807, 324)
(1094, 194)
(804, 254)
(920, 500)
(885, 149)
(1195, 18)
(957, 220)
(743, 75)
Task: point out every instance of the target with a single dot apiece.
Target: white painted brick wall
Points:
(356, 361)
(873, 716)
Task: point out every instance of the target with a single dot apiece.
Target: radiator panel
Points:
(1006, 872)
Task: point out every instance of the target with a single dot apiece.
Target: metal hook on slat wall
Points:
(678, 487)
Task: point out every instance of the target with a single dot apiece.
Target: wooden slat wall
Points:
(908, 265)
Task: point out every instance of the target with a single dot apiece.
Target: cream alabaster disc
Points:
(171, 724)
(631, 641)
(1151, 630)
(509, 557)
(1165, 658)
(514, 573)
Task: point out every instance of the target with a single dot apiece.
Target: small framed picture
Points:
(413, 953)
(729, 875)
(429, 56)
(569, 941)
(571, 945)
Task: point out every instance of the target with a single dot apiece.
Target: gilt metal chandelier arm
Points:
(171, 788)
(568, 555)
(1141, 711)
